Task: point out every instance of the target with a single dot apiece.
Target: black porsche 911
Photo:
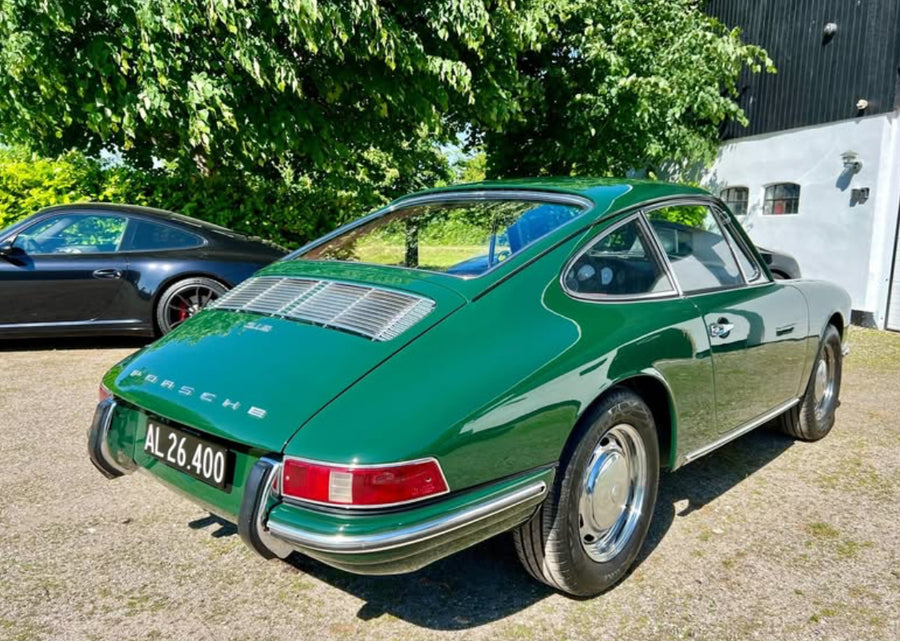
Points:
(98, 268)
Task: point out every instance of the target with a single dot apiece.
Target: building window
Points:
(782, 198)
(736, 198)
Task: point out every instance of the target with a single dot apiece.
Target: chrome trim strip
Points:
(354, 466)
(97, 322)
(104, 443)
(413, 534)
(743, 429)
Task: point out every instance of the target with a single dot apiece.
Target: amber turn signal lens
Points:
(103, 393)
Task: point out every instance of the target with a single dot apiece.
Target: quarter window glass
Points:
(736, 198)
(745, 258)
(783, 198)
(73, 234)
(619, 264)
(697, 249)
(147, 236)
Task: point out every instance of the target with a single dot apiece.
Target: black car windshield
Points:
(464, 238)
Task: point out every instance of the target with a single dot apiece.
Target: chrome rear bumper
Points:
(366, 545)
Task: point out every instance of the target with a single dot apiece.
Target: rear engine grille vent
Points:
(379, 314)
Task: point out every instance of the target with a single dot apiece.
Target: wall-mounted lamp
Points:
(859, 196)
(852, 163)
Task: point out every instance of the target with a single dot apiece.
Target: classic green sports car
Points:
(519, 356)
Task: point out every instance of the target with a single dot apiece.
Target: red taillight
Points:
(103, 393)
(362, 486)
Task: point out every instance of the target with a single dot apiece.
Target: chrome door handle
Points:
(720, 329)
(107, 273)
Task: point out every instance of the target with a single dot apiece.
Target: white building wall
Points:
(832, 239)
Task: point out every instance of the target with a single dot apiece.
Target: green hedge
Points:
(287, 210)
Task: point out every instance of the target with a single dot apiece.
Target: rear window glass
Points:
(149, 236)
(464, 238)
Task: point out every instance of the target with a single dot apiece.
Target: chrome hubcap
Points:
(612, 493)
(823, 385)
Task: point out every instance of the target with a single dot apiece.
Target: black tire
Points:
(550, 543)
(184, 298)
(813, 417)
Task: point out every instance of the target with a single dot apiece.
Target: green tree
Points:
(623, 85)
(258, 85)
(286, 117)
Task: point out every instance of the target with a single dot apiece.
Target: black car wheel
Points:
(588, 531)
(183, 299)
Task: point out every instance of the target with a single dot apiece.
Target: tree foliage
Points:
(260, 104)
(624, 85)
(290, 211)
(250, 84)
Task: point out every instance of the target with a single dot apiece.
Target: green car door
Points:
(757, 328)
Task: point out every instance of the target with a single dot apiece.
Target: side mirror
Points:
(8, 248)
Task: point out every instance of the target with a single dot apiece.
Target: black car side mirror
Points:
(8, 248)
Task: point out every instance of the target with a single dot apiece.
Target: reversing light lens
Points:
(362, 486)
(103, 393)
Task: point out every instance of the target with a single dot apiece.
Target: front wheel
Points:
(813, 417)
(589, 530)
(185, 298)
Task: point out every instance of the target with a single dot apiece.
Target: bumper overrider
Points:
(374, 542)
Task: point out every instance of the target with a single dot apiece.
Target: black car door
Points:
(66, 269)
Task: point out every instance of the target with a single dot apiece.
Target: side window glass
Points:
(696, 246)
(620, 263)
(148, 236)
(746, 260)
(74, 234)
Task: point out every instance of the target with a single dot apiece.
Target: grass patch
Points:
(857, 474)
(823, 530)
(873, 349)
(434, 257)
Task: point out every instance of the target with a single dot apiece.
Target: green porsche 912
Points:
(518, 356)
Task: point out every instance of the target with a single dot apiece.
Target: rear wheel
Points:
(185, 298)
(588, 531)
(813, 417)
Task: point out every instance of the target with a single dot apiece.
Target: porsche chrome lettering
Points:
(186, 390)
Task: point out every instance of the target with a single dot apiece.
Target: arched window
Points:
(782, 198)
(736, 198)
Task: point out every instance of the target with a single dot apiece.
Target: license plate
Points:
(187, 453)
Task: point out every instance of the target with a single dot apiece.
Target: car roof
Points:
(607, 194)
(149, 212)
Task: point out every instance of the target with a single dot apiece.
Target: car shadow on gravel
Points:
(87, 342)
(486, 583)
(706, 479)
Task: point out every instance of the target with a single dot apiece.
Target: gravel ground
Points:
(764, 539)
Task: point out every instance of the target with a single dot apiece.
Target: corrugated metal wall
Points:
(818, 80)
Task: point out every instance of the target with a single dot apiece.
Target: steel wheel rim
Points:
(186, 302)
(612, 493)
(823, 383)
